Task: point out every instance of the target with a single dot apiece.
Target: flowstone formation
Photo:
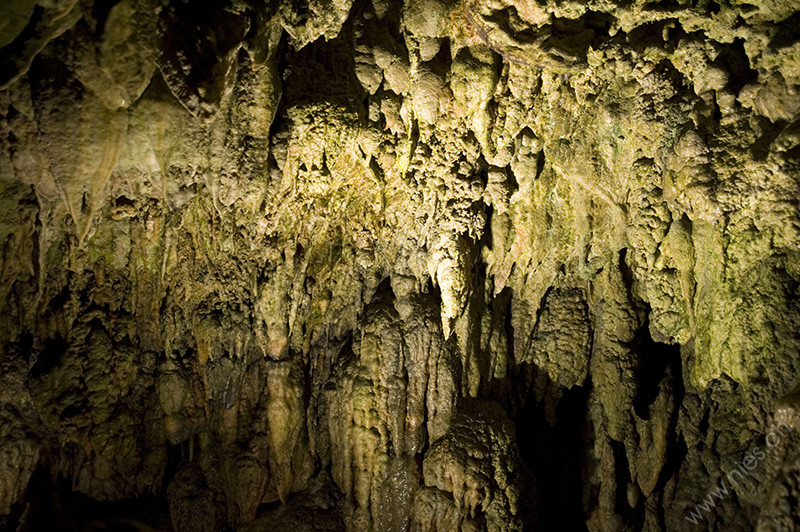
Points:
(437, 265)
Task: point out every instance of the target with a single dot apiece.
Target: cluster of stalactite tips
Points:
(420, 265)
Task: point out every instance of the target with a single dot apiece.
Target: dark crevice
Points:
(734, 60)
(100, 12)
(539, 163)
(555, 455)
(656, 361)
(53, 505)
(633, 517)
(763, 144)
(49, 357)
(787, 34)
(9, 66)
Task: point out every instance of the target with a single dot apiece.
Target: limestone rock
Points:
(481, 492)
(421, 265)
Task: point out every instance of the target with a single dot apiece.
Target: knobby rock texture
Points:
(433, 265)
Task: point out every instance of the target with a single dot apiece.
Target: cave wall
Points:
(438, 265)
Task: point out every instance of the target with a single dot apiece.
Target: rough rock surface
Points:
(428, 265)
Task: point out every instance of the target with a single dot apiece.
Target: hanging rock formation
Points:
(429, 265)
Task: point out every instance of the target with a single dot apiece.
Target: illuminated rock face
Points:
(433, 266)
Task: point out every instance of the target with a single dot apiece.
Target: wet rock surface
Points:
(434, 265)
